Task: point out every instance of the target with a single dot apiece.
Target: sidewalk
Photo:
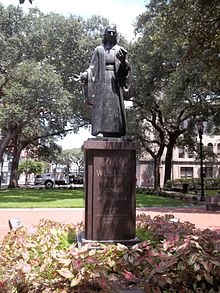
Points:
(197, 215)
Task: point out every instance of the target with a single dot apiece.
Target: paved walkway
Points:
(198, 215)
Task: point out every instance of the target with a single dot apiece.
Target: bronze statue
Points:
(107, 83)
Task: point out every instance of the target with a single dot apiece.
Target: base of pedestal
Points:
(96, 244)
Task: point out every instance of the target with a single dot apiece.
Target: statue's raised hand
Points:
(121, 55)
(76, 77)
(81, 77)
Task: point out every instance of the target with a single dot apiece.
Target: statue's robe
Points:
(107, 86)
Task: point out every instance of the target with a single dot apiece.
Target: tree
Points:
(146, 128)
(35, 104)
(170, 76)
(60, 43)
(48, 150)
(31, 167)
(78, 159)
(69, 157)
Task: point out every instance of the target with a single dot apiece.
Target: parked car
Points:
(49, 180)
(76, 179)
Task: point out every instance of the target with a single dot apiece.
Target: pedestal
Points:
(110, 177)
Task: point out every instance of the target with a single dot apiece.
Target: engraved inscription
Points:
(113, 167)
(121, 162)
(111, 173)
(112, 218)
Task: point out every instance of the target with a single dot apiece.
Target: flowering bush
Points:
(171, 257)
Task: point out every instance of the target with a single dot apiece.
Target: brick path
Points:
(198, 215)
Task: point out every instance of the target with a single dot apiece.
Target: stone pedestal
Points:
(110, 176)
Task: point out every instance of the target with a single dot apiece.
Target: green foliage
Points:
(144, 190)
(176, 73)
(35, 97)
(173, 257)
(30, 166)
(38, 97)
(144, 234)
(70, 156)
(41, 52)
(48, 150)
(209, 183)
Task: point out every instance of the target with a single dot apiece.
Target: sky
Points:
(120, 12)
(123, 13)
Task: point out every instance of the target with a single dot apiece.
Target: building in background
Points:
(184, 164)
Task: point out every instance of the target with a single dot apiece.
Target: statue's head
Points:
(110, 34)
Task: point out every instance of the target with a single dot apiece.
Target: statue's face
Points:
(111, 36)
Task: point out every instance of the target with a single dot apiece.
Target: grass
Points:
(64, 198)
(153, 200)
(41, 198)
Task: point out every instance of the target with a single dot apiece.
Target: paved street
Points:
(198, 215)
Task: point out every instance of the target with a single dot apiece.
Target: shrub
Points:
(145, 190)
(172, 257)
(209, 183)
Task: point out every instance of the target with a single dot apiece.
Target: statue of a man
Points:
(107, 83)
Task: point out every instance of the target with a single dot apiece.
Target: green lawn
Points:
(41, 198)
(148, 200)
(64, 198)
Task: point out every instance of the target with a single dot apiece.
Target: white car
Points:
(48, 180)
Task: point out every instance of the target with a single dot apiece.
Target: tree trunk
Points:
(4, 144)
(157, 174)
(14, 173)
(168, 161)
(14, 167)
(169, 154)
(68, 173)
